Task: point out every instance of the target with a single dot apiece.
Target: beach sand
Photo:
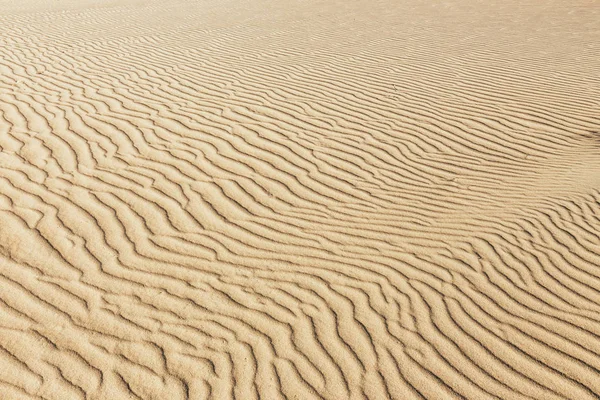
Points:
(294, 200)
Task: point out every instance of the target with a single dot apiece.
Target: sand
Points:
(285, 199)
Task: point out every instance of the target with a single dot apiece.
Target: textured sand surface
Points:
(285, 199)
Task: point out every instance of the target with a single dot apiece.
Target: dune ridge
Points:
(299, 200)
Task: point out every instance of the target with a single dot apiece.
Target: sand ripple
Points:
(299, 200)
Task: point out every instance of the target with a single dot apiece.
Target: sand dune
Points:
(299, 199)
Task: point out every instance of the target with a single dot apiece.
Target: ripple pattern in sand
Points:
(299, 200)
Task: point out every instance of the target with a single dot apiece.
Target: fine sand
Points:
(299, 199)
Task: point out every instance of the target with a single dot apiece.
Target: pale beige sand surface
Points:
(288, 199)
